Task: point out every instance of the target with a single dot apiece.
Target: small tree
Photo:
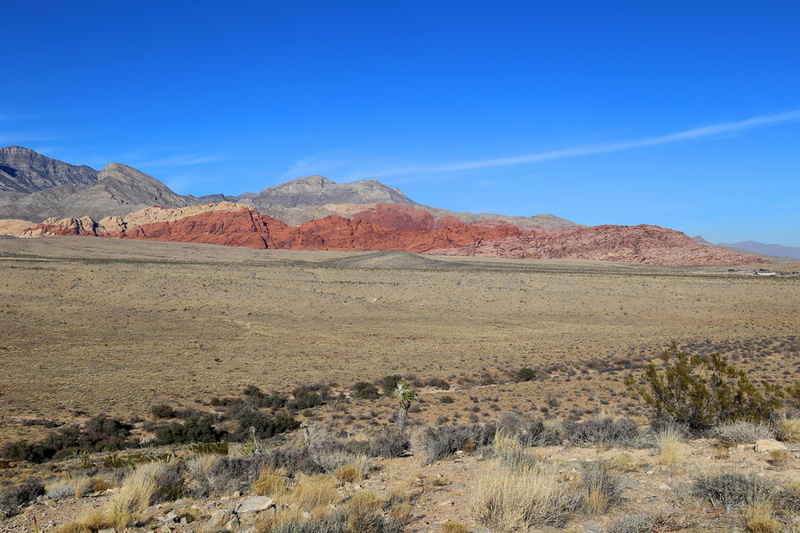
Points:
(406, 395)
(701, 392)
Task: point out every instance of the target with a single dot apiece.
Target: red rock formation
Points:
(415, 233)
(394, 216)
(629, 244)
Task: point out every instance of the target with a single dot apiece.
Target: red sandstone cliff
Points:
(404, 229)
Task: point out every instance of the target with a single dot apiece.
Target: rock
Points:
(255, 504)
(768, 445)
(217, 518)
(232, 524)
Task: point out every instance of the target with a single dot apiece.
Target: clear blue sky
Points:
(684, 114)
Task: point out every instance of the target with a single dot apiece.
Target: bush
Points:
(530, 432)
(442, 441)
(264, 425)
(162, 410)
(17, 496)
(742, 432)
(200, 429)
(730, 489)
(525, 374)
(607, 431)
(366, 391)
(700, 392)
(389, 443)
(602, 485)
(389, 383)
(308, 396)
(644, 523)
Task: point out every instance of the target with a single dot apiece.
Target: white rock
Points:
(768, 445)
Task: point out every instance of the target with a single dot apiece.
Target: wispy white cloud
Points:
(182, 161)
(716, 130)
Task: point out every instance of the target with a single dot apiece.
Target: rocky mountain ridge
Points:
(311, 213)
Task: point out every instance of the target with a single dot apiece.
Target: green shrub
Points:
(365, 390)
(701, 392)
(389, 383)
(17, 496)
(162, 411)
(525, 374)
(199, 429)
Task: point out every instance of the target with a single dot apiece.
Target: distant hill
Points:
(776, 250)
(40, 196)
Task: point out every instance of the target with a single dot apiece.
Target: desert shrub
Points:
(645, 522)
(788, 498)
(442, 441)
(265, 426)
(162, 410)
(447, 399)
(530, 432)
(389, 443)
(700, 392)
(69, 488)
(293, 460)
(437, 383)
(99, 433)
(512, 453)
(525, 374)
(602, 485)
(200, 429)
(229, 474)
(731, 489)
(365, 390)
(621, 432)
(308, 396)
(17, 496)
(742, 431)
(389, 383)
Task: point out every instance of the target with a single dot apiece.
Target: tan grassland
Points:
(92, 325)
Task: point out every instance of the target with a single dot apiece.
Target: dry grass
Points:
(271, 482)
(452, 527)
(509, 501)
(760, 518)
(314, 491)
(789, 430)
(136, 495)
(320, 323)
(670, 447)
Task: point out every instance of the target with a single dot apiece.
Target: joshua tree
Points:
(406, 395)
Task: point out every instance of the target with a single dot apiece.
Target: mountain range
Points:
(41, 196)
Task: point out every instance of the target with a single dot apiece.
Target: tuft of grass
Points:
(314, 491)
(645, 522)
(364, 513)
(271, 482)
(759, 517)
(670, 447)
(779, 458)
(348, 474)
(508, 501)
(452, 527)
(789, 430)
(511, 452)
(602, 485)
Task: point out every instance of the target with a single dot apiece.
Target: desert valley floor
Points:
(100, 325)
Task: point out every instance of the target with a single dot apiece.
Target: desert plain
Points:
(92, 325)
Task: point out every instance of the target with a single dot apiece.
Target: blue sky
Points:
(683, 114)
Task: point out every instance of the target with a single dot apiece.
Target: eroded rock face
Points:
(401, 228)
